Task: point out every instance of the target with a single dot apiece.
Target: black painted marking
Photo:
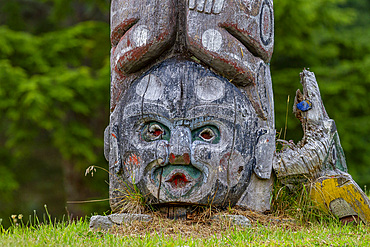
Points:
(269, 39)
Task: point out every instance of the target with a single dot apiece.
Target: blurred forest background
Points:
(54, 93)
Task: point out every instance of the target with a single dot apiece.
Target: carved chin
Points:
(177, 182)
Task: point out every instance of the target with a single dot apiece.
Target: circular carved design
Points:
(209, 89)
(141, 35)
(150, 87)
(266, 24)
(212, 40)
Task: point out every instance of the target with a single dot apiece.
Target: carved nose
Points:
(180, 146)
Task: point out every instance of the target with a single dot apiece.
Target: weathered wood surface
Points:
(192, 117)
(318, 159)
(141, 31)
(320, 149)
(183, 134)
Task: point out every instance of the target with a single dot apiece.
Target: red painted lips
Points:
(178, 180)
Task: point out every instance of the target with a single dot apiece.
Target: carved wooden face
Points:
(183, 134)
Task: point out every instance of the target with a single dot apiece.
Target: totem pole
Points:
(192, 109)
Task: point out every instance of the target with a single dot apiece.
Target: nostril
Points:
(186, 158)
(172, 158)
(179, 159)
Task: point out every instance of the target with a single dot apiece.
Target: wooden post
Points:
(192, 113)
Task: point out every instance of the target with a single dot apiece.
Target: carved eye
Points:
(206, 133)
(155, 131)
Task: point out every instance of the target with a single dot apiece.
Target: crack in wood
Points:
(231, 153)
(143, 97)
(160, 184)
(180, 44)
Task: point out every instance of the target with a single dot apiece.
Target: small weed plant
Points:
(298, 205)
(128, 199)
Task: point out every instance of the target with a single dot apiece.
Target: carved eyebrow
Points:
(135, 108)
(248, 42)
(216, 108)
(120, 30)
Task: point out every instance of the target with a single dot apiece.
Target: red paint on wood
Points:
(172, 158)
(186, 158)
(178, 180)
(120, 30)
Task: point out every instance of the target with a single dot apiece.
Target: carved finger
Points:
(197, 5)
(192, 4)
(225, 44)
(217, 6)
(208, 6)
(200, 6)
(139, 35)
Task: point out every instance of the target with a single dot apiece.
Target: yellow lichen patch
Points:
(342, 196)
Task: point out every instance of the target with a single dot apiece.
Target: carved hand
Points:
(231, 36)
(208, 6)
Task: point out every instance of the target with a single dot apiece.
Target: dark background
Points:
(54, 93)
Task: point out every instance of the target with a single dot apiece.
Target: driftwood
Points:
(320, 149)
(318, 159)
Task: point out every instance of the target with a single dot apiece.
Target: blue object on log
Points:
(304, 105)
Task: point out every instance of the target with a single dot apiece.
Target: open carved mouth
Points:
(177, 180)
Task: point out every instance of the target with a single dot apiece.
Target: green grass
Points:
(294, 221)
(78, 234)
